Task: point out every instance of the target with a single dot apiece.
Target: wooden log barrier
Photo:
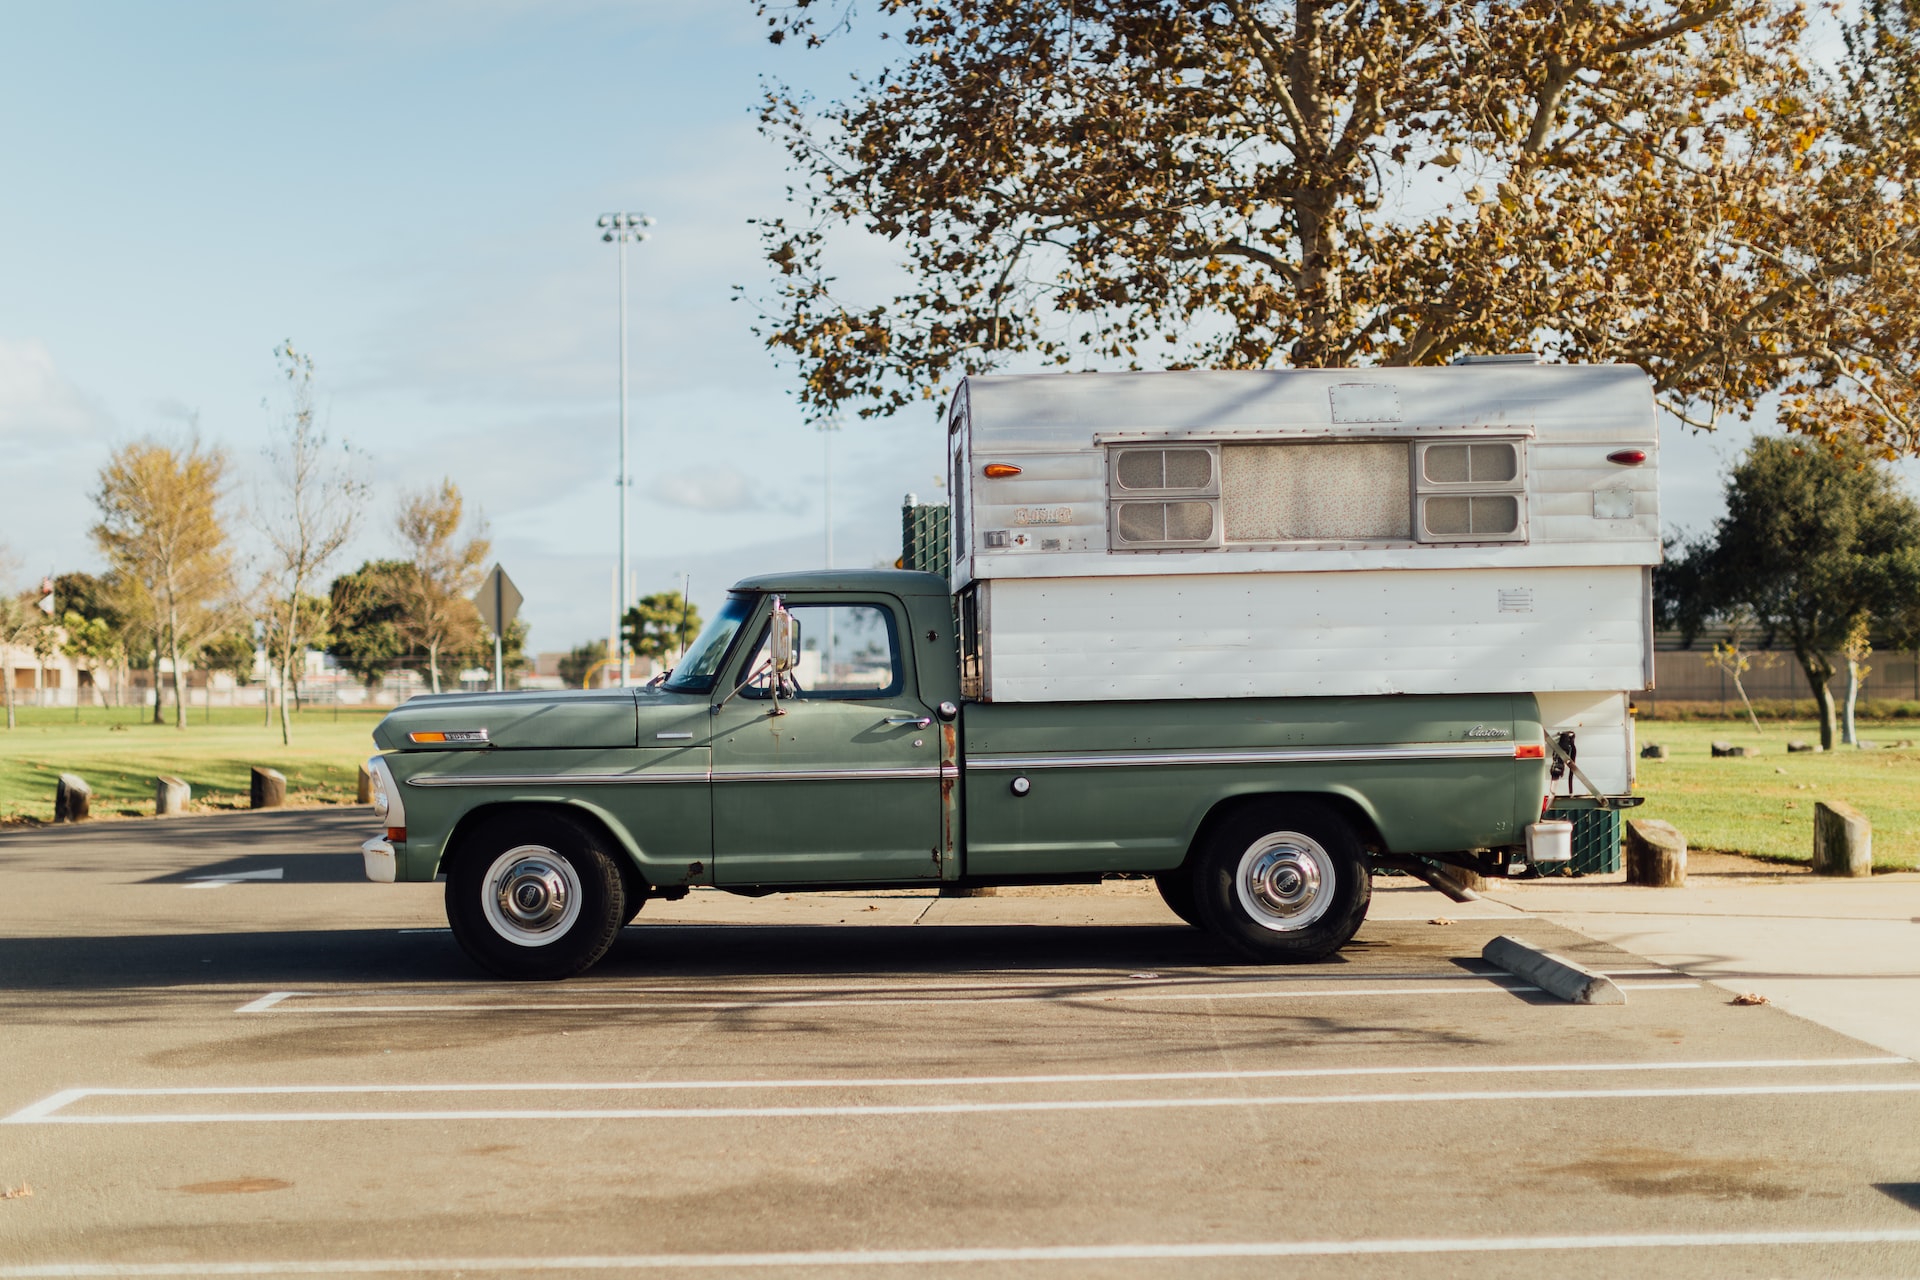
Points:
(269, 788)
(72, 799)
(1656, 854)
(170, 796)
(1842, 840)
(364, 792)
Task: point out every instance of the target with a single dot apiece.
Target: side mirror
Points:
(785, 640)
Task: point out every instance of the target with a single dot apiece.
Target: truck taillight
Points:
(396, 835)
(1529, 751)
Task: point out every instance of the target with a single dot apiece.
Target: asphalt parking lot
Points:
(225, 1053)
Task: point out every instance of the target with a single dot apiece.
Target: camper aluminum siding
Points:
(1305, 573)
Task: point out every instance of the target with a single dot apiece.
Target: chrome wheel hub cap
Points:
(1285, 881)
(531, 895)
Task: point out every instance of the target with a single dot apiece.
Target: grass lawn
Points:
(119, 754)
(1763, 806)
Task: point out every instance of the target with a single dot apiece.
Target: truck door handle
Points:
(918, 722)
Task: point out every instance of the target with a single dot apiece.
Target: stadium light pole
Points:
(619, 228)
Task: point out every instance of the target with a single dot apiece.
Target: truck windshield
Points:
(697, 671)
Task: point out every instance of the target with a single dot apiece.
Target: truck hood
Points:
(587, 719)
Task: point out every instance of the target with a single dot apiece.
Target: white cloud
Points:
(720, 487)
(52, 441)
(40, 410)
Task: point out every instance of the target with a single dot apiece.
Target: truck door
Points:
(844, 782)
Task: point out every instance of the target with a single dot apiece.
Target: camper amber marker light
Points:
(451, 736)
(1000, 470)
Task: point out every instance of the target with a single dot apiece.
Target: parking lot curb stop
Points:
(1554, 974)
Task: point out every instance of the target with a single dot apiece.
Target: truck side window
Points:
(846, 651)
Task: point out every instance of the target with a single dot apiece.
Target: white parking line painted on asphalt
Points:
(266, 1001)
(223, 879)
(950, 1257)
(42, 1113)
(1492, 986)
(67, 1096)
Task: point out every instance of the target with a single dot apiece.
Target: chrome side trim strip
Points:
(928, 772)
(1274, 755)
(551, 779)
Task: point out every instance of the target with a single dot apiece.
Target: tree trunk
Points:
(1823, 697)
(1848, 734)
(6, 678)
(1746, 702)
(286, 676)
(433, 667)
(157, 718)
(179, 680)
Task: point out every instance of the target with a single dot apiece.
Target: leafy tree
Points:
(435, 613)
(1244, 183)
(578, 663)
(232, 651)
(91, 642)
(20, 625)
(308, 512)
(311, 618)
(1815, 543)
(365, 638)
(160, 529)
(660, 626)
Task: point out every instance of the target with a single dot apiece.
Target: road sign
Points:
(498, 600)
(499, 603)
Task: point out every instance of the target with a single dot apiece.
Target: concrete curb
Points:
(1553, 974)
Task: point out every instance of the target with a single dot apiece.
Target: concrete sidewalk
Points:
(1842, 953)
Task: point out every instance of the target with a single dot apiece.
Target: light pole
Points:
(618, 228)
(829, 427)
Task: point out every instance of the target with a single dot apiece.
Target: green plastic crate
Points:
(926, 538)
(1596, 841)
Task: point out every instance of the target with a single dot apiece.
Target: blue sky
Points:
(407, 190)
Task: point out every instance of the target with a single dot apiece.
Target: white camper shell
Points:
(1481, 528)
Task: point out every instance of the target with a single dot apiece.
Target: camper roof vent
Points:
(1511, 357)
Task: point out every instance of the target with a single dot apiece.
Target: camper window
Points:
(1346, 491)
(1185, 478)
(1470, 491)
(1192, 496)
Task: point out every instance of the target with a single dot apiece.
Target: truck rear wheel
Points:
(1284, 883)
(533, 898)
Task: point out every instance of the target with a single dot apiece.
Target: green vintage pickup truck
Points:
(815, 737)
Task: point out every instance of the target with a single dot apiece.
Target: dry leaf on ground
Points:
(1750, 997)
(1440, 920)
(20, 1192)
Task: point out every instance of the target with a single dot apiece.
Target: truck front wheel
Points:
(533, 898)
(1284, 883)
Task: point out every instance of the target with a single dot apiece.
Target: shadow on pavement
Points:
(388, 956)
(1907, 1193)
(294, 868)
(198, 831)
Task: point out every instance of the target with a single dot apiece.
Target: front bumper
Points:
(382, 865)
